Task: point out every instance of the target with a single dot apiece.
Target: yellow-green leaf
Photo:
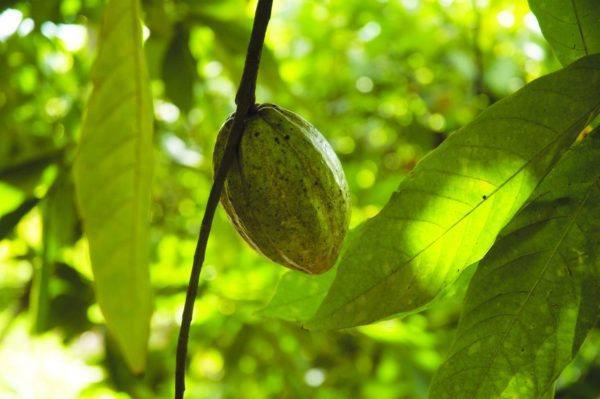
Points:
(113, 172)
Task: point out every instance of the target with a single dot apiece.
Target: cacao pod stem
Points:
(244, 99)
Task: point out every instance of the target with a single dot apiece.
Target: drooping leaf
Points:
(447, 213)
(12, 218)
(60, 228)
(179, 70)
(113, 175)
(572, 27)
(536, 294)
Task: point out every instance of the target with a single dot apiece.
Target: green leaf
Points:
(298, 295)
(179, 70)
(447, 213)
(536, 295)
(113, 173)
(12, 218)
(572, 27)
(60, 229)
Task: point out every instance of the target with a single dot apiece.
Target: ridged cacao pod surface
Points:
(286, 192)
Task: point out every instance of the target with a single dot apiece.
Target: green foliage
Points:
(571, 26)
(536, 294)
(298, 296)
(446, 214)
(385, 81)
(60, 229)
(113, 177)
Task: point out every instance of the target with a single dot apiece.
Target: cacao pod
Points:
(286, 192)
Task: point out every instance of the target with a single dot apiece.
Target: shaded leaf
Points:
(68, 307)
(113, 176)
(179, 70)
(447, 213)
(298, 295)
(536, 294)
(60, 228)
(572, 27)
(11, 219)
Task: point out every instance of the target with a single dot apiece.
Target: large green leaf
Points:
(113, 176)
(447, 213)
(572, 27)
(536, 294)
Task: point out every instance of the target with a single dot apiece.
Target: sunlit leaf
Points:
(536, 294)
(572, 27)
(447, 213)
(113, 176)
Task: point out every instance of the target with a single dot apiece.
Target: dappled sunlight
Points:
(403, 91)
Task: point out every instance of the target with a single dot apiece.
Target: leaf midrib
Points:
(135, 21)
(579, 27)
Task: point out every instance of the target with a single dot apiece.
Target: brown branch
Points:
(244, 99)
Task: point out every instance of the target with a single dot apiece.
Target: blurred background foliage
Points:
(384, 80)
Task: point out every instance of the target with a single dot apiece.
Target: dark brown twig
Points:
(244, 99)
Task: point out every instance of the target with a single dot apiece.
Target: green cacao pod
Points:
(286, 193)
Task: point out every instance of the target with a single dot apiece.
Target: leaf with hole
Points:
(536, 294)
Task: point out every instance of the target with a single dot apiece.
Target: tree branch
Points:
(244, 99)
